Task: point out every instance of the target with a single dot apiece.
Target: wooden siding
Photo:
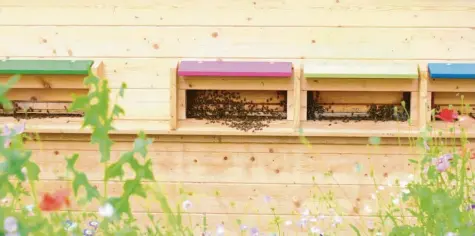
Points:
(140, 41)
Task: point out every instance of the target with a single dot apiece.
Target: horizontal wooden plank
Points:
(351, 97)
(44, 95)
(235, 84)
(234, 69)
(352, 128)
(45, 67)
(238, 42)
(451, 70)
(242, 4)
(451, 85)
(166, 15)
(47, 81)
(455, 98)
(209, 198)
(361, 71)
(243, 167)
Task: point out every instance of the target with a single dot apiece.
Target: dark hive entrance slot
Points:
(461, 102)
(242, 110)
(358, 106)
(33, 109)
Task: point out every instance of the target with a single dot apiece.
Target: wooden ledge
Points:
(361, 70)
(72, 126)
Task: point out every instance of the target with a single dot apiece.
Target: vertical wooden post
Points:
(173, 99)
(297, 73)
(415, 108)
(424, 98)
(97, 69)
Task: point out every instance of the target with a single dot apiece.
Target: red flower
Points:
(447, 115)
(55, 201)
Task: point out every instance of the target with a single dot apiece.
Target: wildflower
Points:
(94, 224)
(243, 227)
(337, 220)
(367, 209)
(451, 234)
(396, 201)
(305, 212)
(55, 201)
(10, 224)
(8, 134)
(370, 225)
(373, 196)
(288, 223)
(107, 210)
(381, 188)
(447, 115)
(220, 230)
(267, 199)
(187, 205)
(254, 231)
(315, 230)
(30, 207)
(69, 225)
(442, 163)
(88, 232)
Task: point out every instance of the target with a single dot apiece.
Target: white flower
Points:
(373, 196)
(106, 210)
(187, 205)
(305, 212)
(337, 219)
(5, 201)
(288, 222)
(10, 224)
(396, 201)
(367, 209)
(220, 230)
(411, 177)
(315, 230)
(30, 207)
(451, 234)
(381, 188)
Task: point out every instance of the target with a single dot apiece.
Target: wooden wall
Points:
(139, 41)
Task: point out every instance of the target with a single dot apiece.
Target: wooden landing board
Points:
(451, 70)
(45, 67)
(235, 69)
(361, 71)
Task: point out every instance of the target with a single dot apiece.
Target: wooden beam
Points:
(173, 99)
(97, 69)
(297, 95)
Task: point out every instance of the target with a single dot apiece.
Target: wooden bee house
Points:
(45, 87)
(451, 85)
(224, 96)
(352, 96)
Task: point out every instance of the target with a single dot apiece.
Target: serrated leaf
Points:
(134, 187)
(71, 162)
(114, 170)
(81, 180)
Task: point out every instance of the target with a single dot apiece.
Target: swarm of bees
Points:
(229, 109)
(316, 111)
(20, 111)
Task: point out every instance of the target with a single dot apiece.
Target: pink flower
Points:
(8, 134)
(443, 162)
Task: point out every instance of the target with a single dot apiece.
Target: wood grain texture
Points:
(238, 42)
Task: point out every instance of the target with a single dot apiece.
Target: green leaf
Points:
(81, 180)
(134, 187)
(71, 162)
(117, 111)
(140, 144)
(413, 161)
(114, 170)
(33, 171)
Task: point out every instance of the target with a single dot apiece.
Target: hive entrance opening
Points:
(461, 102)
(242, 110)
(358, 106)
(34, 109)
